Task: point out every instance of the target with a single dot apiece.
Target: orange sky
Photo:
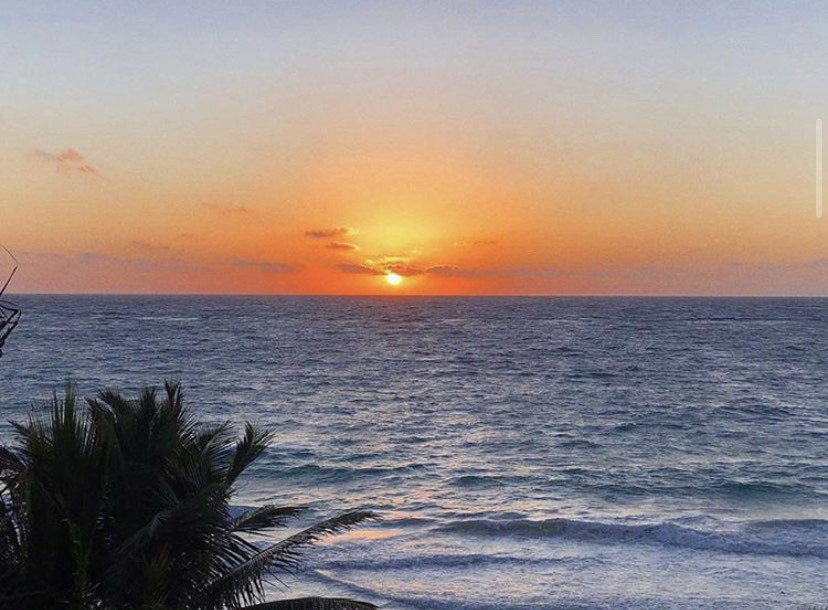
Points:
(471, 149)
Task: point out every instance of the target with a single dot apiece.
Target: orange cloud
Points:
(447, 271)
(404, 269)
(99, 259)
(145, 246)
(328, 233)
(358, 269)
(472, 244)
(264, 266)
(228, 209)
(388, 265)
(341, 245)
(69, 161)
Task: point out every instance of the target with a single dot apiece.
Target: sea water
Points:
(522, 452)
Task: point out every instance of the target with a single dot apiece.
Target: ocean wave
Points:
(474, 480)
(168, 318)
(417, 600)
(438, 560)
(342, 473)
(792, 538)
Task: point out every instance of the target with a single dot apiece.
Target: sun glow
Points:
(393, 279)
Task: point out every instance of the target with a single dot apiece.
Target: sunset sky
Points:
(469, 147)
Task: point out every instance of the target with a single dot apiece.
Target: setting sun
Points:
(393, 279)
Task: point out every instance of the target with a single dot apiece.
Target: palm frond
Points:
(265, 517)
(248, 448)
(282, 556)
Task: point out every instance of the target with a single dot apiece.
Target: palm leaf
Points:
(265, 517)
(281, 556)
(249, 447)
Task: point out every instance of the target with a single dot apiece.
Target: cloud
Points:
(503, 272)
(341, 245)
(145, 246)
(218, 208)
(68, 161)
(384, 267)
(475, 244)
(403, 269)
(359, 269)
(153, 264)
(447, 271)
(476, 273)
(264, 266)
(74, 260)
(328, 233)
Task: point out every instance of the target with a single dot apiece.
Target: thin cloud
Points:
(341, 245)
(404, 269)
(359, 269)
(475, 244)
(145, 246)
(383, 267)
(401, 265)
(503, 272)
(474, 273)
(236, 210)
(327, 233)
(447, 271)
(264, 266)
(76, 260)
(68, 161)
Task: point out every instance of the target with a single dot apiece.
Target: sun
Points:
(394, 279)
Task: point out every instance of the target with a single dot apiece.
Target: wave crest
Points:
(789, 537)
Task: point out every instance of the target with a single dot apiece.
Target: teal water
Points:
(525, 453)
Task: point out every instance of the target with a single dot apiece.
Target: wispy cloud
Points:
(384, 266)
(447, 271)
(149, 248)
(327, 233)
(264, 266)
(68, 161)
(100, 259)
(233, 210)
(359, 269)
(341, 245)
(476, 243)
(500, 272)
(152, 261)
(404, 269)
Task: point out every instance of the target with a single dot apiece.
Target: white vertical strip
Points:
(819, 168)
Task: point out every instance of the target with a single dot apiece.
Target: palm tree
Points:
(126, 505)
(9, 312)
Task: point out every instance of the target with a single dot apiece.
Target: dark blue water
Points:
(525, 453)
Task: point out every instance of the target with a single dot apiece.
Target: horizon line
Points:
(419, 296)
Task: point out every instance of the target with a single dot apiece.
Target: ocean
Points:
(522, 452)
